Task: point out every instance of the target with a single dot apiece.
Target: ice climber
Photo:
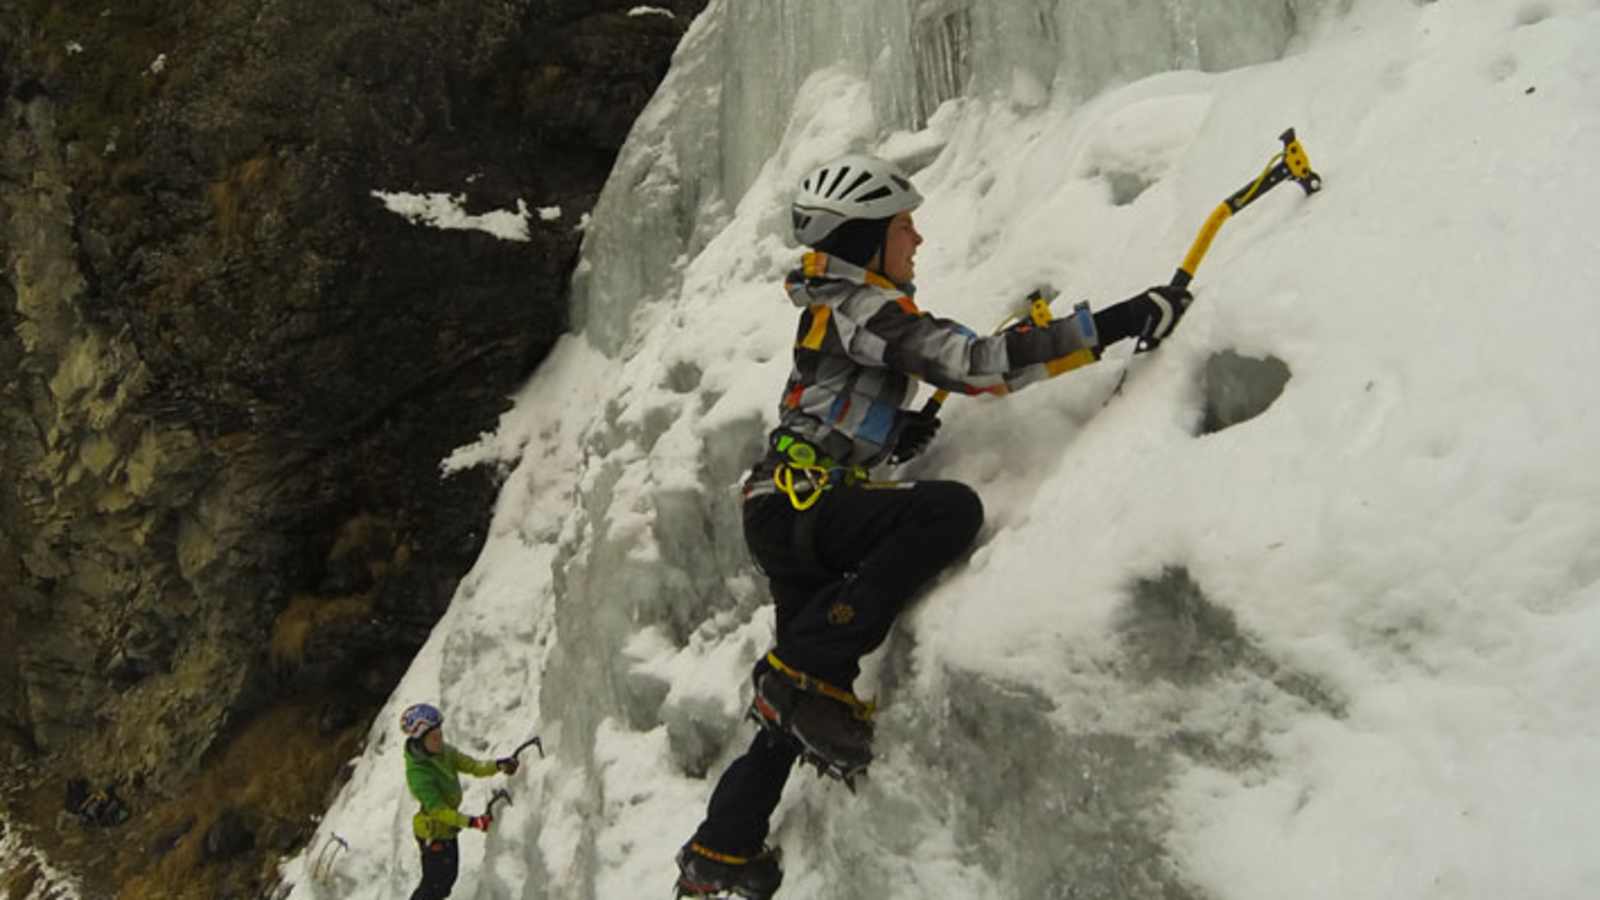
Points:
(432, 774)
(844, 553)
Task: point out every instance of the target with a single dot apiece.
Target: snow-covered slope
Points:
(1342, 649)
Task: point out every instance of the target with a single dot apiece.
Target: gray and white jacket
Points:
(862, 344)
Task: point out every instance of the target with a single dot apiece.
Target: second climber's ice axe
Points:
(501, 795)
(533, 742)
(322, 869)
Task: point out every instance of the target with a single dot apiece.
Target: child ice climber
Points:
(844, 553)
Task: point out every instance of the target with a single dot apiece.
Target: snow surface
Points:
(445, 211)
(1342, 649)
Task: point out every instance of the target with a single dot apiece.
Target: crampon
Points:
(706, 874)
(831, 726)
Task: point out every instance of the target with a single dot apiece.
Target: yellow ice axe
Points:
(1292, 164)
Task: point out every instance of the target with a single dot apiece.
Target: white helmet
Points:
(851, 187)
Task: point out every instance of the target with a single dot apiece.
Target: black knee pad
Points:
(958, 507)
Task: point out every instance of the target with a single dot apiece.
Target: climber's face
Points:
(899, 252)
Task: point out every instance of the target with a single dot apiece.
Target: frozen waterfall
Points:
(1307, 610)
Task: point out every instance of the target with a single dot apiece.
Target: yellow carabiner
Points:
(783, 478)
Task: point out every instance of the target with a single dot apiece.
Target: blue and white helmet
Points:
(851, 187)
(419, 719)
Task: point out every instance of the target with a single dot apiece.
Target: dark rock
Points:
(335, 717)
(168, 840)
(234, 345)
(218, 349)
(281, 836)
(229, 836)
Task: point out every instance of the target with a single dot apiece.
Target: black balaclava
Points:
(856, 241)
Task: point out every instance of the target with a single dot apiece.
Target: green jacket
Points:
(434, 781)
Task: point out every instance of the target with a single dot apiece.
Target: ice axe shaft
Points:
(1291, 164)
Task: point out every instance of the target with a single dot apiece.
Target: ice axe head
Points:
(499, 795)
(1299, 165)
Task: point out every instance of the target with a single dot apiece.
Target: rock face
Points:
(228, 373)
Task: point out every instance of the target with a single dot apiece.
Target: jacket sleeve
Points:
(470, 765)
(950, 355)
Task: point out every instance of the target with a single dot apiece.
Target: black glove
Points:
(507, 764)
(1152, 315)
(481, 823)
(917, 429)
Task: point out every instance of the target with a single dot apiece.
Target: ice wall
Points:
(723, 111)
(651, 565)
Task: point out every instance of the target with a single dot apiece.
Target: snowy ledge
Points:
(445, 211)
(48, 881)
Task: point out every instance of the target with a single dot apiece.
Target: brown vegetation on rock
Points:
(228, 374)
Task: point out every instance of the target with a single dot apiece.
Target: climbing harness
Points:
(805, 474)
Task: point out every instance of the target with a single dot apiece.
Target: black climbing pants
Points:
(441, 860)
(840, 572)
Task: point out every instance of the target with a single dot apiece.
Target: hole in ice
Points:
(1127, 186)
(1532, 14)
(682, 377)
(1171, 632)
(1090, 791)
(1238, 388)
(657, 421)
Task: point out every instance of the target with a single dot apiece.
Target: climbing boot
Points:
(832, 726)
(703, 872)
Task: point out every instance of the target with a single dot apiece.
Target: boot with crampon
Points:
(832, 726)
(705, 873)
